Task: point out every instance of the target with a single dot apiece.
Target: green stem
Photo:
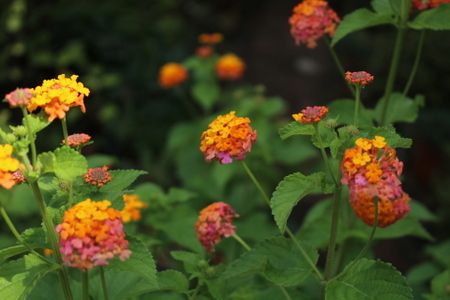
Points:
(392, 73)
(416, 63)
(324, 154)
(241, 241)
(17, 235)
(338, 65)
(333, 234)
(372, 233)
(102, 277)
(85, 284)
(31, 136)
(181, 95)
(357, 104)
(256, 182)
(291, 235)
(64, 129)
(50, 227)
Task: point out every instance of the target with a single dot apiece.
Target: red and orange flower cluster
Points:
(361, 78)
(98, 176)
(311, 114)
(8, 167)
(426, 4)
(19, 97)
(77, 140)
(57, 96)
(214, 222)
(172, 74)
(371, 169)
(91, 234)
(230, 67)
(228, 137)
(311, 20)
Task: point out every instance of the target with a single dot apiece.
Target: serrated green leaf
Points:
(206, 93)
(173, 280)
(47, 161)
(360, 19)
(9, 252)
(368, 280)
(392, 137)
(401, 108)
(433, 19)
(291, 190)
(35, 237)
(35, 122)
(140, 262)
(17, 278)
(190, 260)
(69, 164)
(121, 179)
(277, 258)
(295, 128)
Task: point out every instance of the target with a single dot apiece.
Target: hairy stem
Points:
(333, 234)
(416, 63)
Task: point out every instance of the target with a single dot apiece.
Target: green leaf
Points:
(36, 122)
(35, 237)
(360, 19)
(440, 253)
(173, 281)
(47, 161)
(69, 164)
(382, 6)
(9, 252)
(278, 259)
(17, 278)
(140, 262)
(295, 128)
(343, 111)
(190, 260)
(391, 136)
(177, 195)
(291, 190)
(433, 19)
(422, 273)
(121, 179)
(206, 93)
(368, 280)
(401, 108)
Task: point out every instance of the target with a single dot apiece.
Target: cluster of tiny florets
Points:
(8, 166)
(311, 114)
(77, 140)
(172, 74)
(230, 67)
(132, 208)
(19, 97)
(361, 78)
(98, 176)
(426, 4)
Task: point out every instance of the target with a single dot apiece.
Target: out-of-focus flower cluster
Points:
(77, 140)
(214, 222)
(426, 4)
(228, 137)
(172, 74)
(361, 78)
(57, 96)
(230, 67)
(311, 114)
(132, 209)
(91, 234)
(8, 166)
(210, 38)
(311, 20)
(371, 170)
(19, 97)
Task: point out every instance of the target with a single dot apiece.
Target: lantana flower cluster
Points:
(371, 170)
(311, 114)
(228, 137)
(361, 78)
(214, 222)
(230, 67)
(311, 20)
(132, 209)
(8, 167)
(172, 74)
(91, 234)
(57, 96)
(426, 4)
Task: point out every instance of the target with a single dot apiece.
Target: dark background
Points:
(117, 47)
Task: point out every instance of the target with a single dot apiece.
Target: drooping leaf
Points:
(11, 251)
(368, 280)
(401, 108)
(291, 190)
(433, 19)
(295, 128)
(17, 278)
(69, 164)
(278, 259)
(360, 19)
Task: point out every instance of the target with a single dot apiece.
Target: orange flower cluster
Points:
(371, 169)
(98, 176)
(311, 20)
(132, 209)
(78, 139)
(210, 38)
(214, 222)
(230, 67)
(228, 137)
(57, 96)
(8, 166)
(426, 4)
(359, 78)
(19, 97)
(204, 51)
(92, 234)
(311, 114)
(171, 75)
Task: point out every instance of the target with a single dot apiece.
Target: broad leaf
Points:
(69, 164)
(121, 179)
(173, 280)
(343, 111)
(278, 259)
(368, 280)
(206, 93)
(358, 20)
(17, 278)
(401, 108)
(47, 161)
(295, 128)
(190, 260)
(9, 252)
(291, 190)
(35, 122)
(392, 137)
(433, 19)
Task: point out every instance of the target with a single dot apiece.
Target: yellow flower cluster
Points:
(8, 165)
